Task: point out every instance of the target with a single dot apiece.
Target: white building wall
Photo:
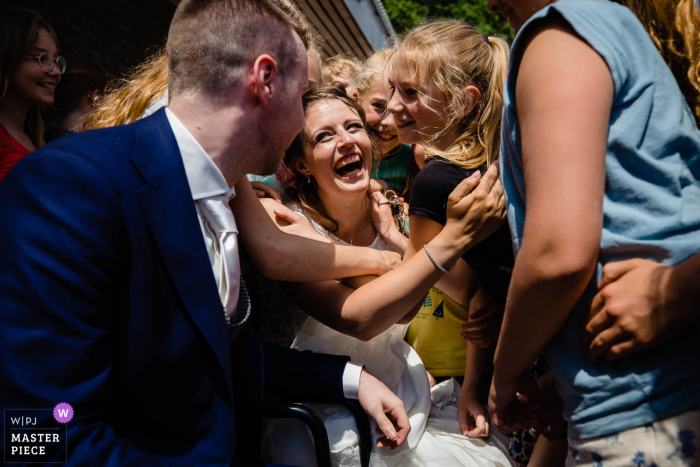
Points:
(369, 20)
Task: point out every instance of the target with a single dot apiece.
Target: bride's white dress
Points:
(435, 438)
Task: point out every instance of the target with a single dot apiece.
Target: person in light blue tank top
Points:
(600, 163)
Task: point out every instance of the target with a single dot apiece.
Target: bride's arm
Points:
(356, 307)
(366, 312)
(283, 257)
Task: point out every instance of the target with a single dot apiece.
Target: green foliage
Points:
(405, 14)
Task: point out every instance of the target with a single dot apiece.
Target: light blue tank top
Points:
(651, 210)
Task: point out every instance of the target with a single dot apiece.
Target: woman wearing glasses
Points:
(30, 70)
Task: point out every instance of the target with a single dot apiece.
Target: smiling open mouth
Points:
(47, 85)
(350, 166)
(404, 123)
(383, 136)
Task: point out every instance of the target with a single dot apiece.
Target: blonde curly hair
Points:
(372, 68)
(674, 27)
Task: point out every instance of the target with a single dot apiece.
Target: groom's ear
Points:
(262, 79)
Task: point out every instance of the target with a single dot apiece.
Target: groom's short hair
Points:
(212, 42)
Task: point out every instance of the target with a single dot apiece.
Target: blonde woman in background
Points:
(674, 27)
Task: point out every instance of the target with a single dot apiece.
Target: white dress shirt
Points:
(205, 180)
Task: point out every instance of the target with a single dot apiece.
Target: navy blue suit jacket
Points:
(108, 302)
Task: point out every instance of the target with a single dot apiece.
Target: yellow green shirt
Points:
(434, 333)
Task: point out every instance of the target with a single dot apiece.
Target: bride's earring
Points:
(308, 179)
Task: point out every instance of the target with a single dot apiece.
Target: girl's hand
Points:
(636, 308)
(551, 416)
(514, 405)
(484, 326)
(472, 414)
(292, 223)
(262, 190)
(476, 208)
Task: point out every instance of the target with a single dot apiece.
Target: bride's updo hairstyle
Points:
(305, 189)
(454, 55)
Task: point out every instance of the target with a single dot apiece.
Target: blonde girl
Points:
(394, 167)
(447, 81)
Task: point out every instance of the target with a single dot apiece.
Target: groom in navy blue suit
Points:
(108, 293)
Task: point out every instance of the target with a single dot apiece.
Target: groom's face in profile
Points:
(285, 114)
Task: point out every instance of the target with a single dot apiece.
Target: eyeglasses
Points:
(46, 62)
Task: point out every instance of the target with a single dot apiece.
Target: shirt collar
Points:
(204, 177)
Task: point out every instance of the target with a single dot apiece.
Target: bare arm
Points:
(564, 94)
(283, 257)
(366, 312)
(459, 284)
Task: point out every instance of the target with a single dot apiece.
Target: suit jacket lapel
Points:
(167, 203)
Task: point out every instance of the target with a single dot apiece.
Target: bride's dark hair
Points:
(303, 190)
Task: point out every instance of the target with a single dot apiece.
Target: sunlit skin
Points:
(418, 119)
(29, 85)
(419, 155)
(517, 12)
(378, 118)
(286, 114)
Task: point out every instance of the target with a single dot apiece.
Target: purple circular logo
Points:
(63, 412)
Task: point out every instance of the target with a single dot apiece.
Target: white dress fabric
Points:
(435, 438)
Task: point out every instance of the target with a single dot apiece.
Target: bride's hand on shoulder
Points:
(384, 223)
(476, 208)
(472, 415)
(386, 409)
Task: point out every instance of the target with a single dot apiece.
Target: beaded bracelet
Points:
(445, 270)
